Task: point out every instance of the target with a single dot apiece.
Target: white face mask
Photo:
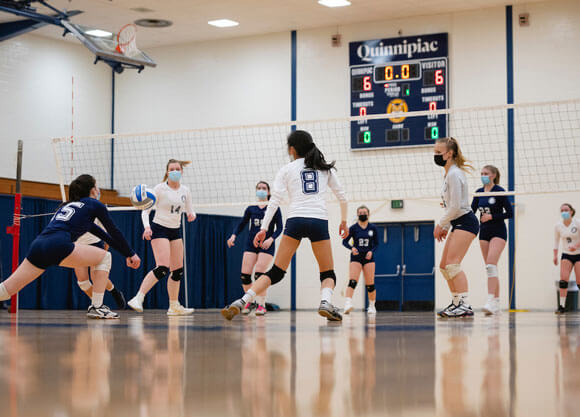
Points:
(292, 159)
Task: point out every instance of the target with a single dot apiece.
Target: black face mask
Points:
(363, 217)
(439, 160)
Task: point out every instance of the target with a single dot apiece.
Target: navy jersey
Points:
(499, 207)
(365, 240)
(78, 217)
(254, 216)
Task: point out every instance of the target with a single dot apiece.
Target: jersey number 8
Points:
(309, 182)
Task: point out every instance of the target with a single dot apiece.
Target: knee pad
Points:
(352, 283)
(328, 274)
(85, 285)
(491, 270)
(563, 284)
(161, 272)
(276, 274)
(370, 288)
(105, 264)
(177, 275)
(453, 270)
(444, 273)
(258, 275)
(246, 279)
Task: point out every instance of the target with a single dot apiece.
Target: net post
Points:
(510, 152)
(14, 230)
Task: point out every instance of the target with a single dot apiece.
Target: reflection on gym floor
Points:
(60, 364)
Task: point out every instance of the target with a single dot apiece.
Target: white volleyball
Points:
(142, 197)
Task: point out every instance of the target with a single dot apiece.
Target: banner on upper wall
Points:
(398, 75)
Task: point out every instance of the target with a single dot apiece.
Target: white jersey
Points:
(88, 238)
(306, 190)
(169, 206)
(455, 195)
(568, 235)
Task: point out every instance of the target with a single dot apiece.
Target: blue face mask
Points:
(485, 179)
(174, 175)
(262, 194)
(565, 215)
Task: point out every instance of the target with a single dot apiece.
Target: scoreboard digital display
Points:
(398, 75)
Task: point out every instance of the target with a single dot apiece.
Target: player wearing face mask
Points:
(365, 240)
(567, 233)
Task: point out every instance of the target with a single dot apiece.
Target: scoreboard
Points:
(398, 75)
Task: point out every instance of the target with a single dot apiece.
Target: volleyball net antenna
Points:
(14, 230)
(228, 161)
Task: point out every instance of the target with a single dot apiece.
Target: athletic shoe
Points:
(179, 310)
(329, 311)
(136, 304)
(462, 310)
(249, 307)
(119, 298)
(229, 312)
(261, 311)
(102, 312)
(348, 306)
(443, 313)
(561, 310)
(491, 307)
(371, 310)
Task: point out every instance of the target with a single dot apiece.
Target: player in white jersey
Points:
(306, 180)
(82, 274)
(458, 217)
(568, 233)
(165, 234)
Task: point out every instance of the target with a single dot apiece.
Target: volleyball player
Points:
(306, 179)
(82, 274)
(55, 245)
(460, 219)
(567, 232)
(493, 211)
(365, 240)
(258, 257)
(164, 232)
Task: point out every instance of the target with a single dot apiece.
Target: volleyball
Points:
(143, 198)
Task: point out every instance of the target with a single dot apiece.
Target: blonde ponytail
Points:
(182, 164)
(460, 160)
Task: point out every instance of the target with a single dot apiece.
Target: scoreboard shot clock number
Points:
(398, 75)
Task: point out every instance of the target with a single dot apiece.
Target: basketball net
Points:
(127, 40)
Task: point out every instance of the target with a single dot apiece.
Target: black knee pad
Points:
(352, 283)
(177, 275)
(370, 288)
(276, 274)
(258, 274)
(328, 274)
(161, 272)
(563, 284)
(246, 279)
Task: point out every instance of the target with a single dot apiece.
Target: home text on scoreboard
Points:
(398, 75)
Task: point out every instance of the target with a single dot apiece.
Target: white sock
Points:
(490, 298)
(455, 298)
(326, 295)
(463, 297)
(563, 301)
(3, 293)
(97, 299)
(249, 296)
(348, 300)
(140, 296)
(261, 300)
(173, 303)
(372, 302)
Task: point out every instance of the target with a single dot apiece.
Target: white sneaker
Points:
(179, 310)
(348, 306)
(102, 312)
(491, 307)
(136, 304)
(372, 309)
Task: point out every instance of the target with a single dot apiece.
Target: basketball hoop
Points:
(127, 40)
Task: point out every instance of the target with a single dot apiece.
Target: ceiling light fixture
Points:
(153, 23)
(334, 3)
(98, 33)
(223, 23)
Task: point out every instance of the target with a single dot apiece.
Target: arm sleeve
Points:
(556, 238)
(278, 223)
(507, 210)
(454, 204)
(346, 241)
(189, 203)
(375, 240)
(243, 222)
(338, 190)
(278, 191)
(114, 237)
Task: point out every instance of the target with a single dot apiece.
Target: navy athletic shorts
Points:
(306, 227)
(571, 258)
(361, 259)
(161, 232)
(251, 248)
(100, 244)
(488, 232)
(50, 250)
(467, 222)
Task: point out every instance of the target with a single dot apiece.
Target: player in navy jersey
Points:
(493, 212)
(365, 240)
(258, 257)
(55, 245)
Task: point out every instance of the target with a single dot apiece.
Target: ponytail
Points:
(460, 160)
(182, 164)
(305, 147)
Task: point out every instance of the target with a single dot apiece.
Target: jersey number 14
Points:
(309, 182)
